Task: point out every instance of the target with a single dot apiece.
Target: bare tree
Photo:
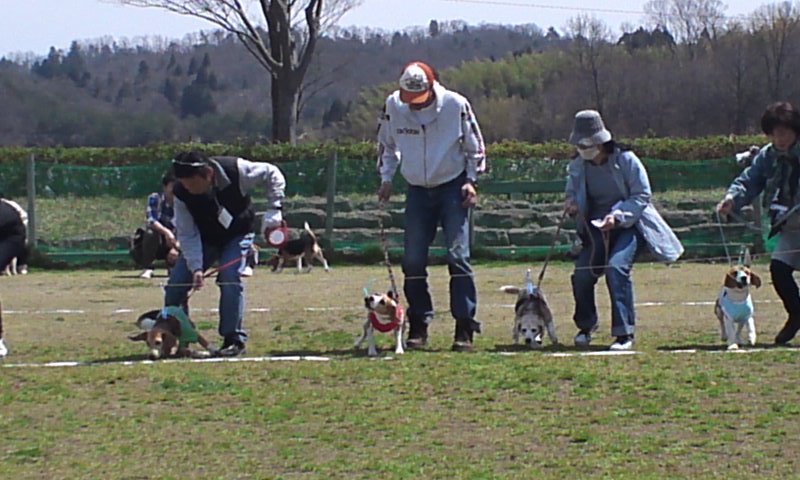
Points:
(590, 37)
(775, 27)
(280, 34)
(688, 20)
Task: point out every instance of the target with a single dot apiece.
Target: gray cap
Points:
(589, 129)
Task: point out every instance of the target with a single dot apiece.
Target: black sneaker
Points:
(417, 335)
(234, 349)
(788, 331)
(465, 330)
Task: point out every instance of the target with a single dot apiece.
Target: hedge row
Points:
(662, 148)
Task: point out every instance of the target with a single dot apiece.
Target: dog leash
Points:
(724, 241)
(385, 247)
(550, 251)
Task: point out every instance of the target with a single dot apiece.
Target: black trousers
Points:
(785, 286)
(13, 246)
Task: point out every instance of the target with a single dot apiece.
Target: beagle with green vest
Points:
(169, 333)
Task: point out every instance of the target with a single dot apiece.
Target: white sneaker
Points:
(3, 349)
(622, 343)
(146, 274)
(247, 272)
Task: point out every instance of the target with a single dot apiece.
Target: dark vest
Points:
(205, 208)
(10, 223)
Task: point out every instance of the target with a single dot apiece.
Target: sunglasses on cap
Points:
(183, 163)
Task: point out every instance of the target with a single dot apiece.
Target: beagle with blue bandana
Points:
(734, 305)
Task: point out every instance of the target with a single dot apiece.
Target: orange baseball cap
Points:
(416, 83)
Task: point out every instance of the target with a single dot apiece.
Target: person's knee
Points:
(779, 270)
(582, 278)
(617, 273)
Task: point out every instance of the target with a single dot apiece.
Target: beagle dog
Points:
(734, 304)
(532, 316)
(385, 315)
(169, 332)
(304, 248)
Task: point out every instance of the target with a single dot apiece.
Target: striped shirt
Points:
(158, 210)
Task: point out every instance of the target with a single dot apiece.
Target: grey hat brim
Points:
(598, 138)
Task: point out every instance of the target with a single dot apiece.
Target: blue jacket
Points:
(765, 171)
(635, 210)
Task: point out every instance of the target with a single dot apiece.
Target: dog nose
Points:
(528, 341)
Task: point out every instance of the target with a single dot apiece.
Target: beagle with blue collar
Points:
(734, 305)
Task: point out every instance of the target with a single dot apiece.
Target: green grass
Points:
(430, 414)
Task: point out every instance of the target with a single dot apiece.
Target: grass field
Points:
(430, 414)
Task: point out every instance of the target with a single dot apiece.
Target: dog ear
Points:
(755, 279)
(142, 337)
(390, 294)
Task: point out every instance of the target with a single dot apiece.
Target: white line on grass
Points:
(295, 358)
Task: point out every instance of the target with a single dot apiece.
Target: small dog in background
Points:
(532, 316)
(169, 332)
(734, 305)
(385, 315)
(303, 248)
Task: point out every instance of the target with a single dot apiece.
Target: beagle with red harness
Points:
(734, 305)
(385, 315)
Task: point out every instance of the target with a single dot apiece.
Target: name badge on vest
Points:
(224, 217)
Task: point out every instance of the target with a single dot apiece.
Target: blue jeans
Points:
(231, 300)
(426, 209)
(592, 264)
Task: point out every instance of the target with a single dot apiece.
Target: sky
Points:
(35, 25)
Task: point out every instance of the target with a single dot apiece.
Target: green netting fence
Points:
(60, 186)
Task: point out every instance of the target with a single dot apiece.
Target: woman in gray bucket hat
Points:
(608, 190)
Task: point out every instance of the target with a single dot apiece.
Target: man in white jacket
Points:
(433, 135)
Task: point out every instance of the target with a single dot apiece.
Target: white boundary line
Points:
(306, 358)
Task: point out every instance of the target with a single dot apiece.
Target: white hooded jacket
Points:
(432, 153)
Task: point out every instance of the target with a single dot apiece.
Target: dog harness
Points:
(387, 327)
(188, 333)
(739, 312)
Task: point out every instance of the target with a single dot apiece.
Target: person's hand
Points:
(273, 219)
(198, 279)
(725, 206)
(170, 240)
(470, 195)
(172, 257)
(609, 222)
(385, 191)
(571, 207)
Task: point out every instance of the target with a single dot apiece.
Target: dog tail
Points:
(309, 231)
(510, 289)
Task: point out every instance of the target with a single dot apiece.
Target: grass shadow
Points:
(547, 348)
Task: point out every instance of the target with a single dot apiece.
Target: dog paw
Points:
(399, 351)
(200, 354)
(733, 346)
(372, 353)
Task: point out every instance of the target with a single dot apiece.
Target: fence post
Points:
(31, 186)
(331, 197)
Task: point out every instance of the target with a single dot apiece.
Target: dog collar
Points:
(387, 327)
